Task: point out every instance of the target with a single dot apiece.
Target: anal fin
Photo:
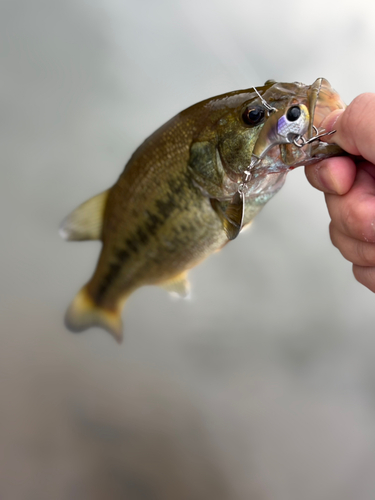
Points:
(178, 285)
(86, 221)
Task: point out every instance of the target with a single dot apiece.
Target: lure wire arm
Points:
(255, 160)
(247, 174)
(270, 109)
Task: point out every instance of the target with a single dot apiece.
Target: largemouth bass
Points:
(191, 187)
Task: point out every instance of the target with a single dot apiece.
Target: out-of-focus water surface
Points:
(261, 387)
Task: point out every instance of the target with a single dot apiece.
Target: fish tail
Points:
(85, 313)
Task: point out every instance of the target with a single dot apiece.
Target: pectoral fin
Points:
(86, 221)
(231, 214)
(179, 285)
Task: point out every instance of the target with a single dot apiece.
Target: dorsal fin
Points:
(86, 221)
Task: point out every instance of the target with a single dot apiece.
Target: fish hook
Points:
(300, 141)
(235, 211)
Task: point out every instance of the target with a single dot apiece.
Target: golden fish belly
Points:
(171, 232)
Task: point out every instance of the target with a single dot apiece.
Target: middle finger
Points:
(353, 214)
(358, 252)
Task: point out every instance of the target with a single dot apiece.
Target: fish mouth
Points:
(322, 99)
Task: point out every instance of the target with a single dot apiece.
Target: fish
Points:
(190, 188)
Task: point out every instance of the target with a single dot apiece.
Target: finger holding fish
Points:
(332, 175)
(354, 132)
(359, 252)
(365, 276)
(349, 185)
(353, 213)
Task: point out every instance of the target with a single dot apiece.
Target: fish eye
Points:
(293, 113)
(253, 115)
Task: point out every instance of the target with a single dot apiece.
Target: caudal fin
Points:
(84, 313)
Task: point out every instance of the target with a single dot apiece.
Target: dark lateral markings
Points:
(153, 221)
(113, 270)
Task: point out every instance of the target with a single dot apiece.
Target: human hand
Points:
(349, 185)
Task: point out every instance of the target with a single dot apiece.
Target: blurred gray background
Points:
(262, 386)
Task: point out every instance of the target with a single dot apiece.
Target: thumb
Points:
(355, 127)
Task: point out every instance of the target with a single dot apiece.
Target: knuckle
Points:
(349, 218)
(312, 176)
(360, 102)
(309, 172)
(352, 122)
(358, 273)
(358, 108)
(365, 276)
(342, 243)
(358, 222)
(365, 253)
(333, 234)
